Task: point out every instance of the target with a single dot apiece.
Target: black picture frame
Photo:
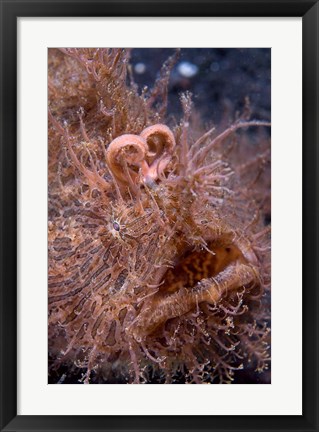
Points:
(10, 11)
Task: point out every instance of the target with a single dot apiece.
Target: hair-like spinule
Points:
(159, 256)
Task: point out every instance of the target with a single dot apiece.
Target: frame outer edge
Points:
(310, 189)
(8, 220)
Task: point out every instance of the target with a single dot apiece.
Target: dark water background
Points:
(224, 78)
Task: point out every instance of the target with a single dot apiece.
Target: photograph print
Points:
(159, 216)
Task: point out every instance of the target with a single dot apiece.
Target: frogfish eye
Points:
(116, 226)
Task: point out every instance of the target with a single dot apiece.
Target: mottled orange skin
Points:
(159, 260)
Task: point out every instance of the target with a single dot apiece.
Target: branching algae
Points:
(159, 256)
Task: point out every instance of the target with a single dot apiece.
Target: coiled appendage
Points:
(141, 158)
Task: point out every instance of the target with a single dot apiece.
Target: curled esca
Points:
(125, 155)
(131, 156)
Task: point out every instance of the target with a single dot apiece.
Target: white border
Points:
(283, 396)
